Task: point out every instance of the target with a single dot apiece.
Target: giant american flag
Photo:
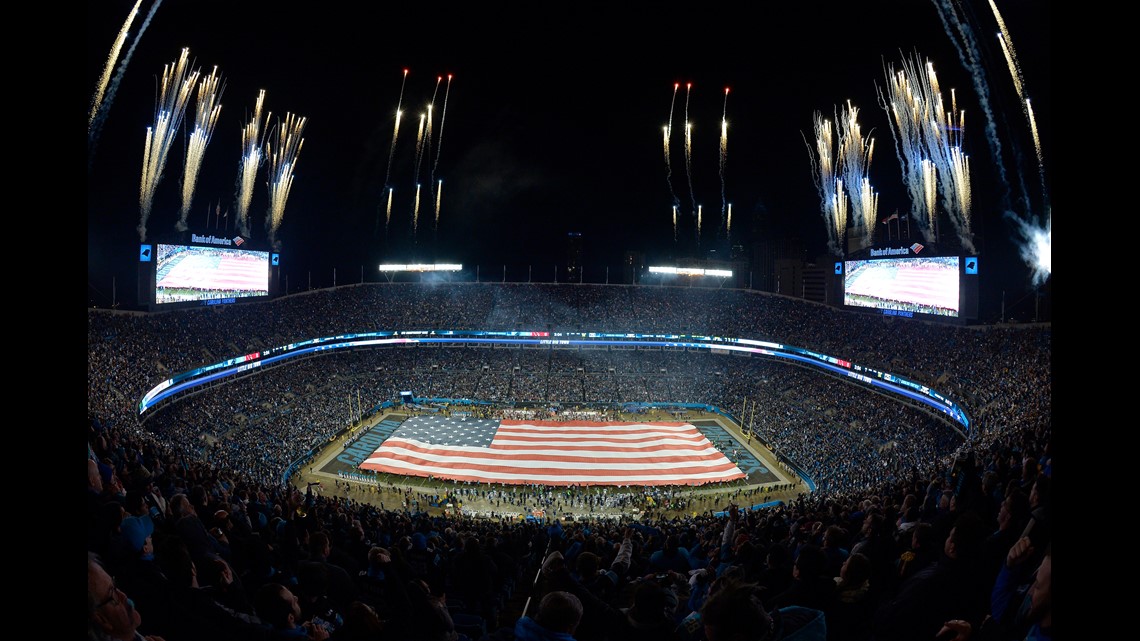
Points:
(552, 452)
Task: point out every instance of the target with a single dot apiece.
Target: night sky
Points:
(552, 123)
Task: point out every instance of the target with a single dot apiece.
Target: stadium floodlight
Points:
(416, 267)
(690, 271)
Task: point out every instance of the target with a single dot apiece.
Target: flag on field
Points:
(552, 452)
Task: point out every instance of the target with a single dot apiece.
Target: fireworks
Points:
(1019, 84)
(439, 147)
(854, 159)
(723, 153)
(416, 213)
(928, 142)
(251, 159)
(388, 211)
(282, 162)
(699, 216)
(438, 192)
(206, 111)
(689, 152)
(105, 79)
(827, 184)
(668, 163)
(392, 153)
(425, 132)
(396, 129)
(100, 105)
(177, 83)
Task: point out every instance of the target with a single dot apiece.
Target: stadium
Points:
(658, 348)
(264, 454)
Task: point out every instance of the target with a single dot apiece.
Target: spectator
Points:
(952, 588)
(811, 587)
(735, 613)
(111, 614)
(850, 618)
(557, 618)
(278, 607)
(331, 580)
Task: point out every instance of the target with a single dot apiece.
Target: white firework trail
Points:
(252, 143)
(689, 149)
(668, 162)
(207, 108)
(388, 212)
(1019, 84)
(395, 129)
(102, 105)
(282, 158)
(391, 155)
(907, 110)
(438, 193)
(853, 162)
(439, 146)
(416, 213)
(723, 154)
(176, 85)
(925, 131)
(822, 157)
(105, 79)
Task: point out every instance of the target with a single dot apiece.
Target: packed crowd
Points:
(194, 533)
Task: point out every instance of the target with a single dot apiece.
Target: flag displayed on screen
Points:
(208, 268)
(552, 452)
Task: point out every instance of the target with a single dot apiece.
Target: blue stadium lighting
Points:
(882, 380)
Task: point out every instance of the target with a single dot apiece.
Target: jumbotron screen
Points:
(208, 275)
(929, 285)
